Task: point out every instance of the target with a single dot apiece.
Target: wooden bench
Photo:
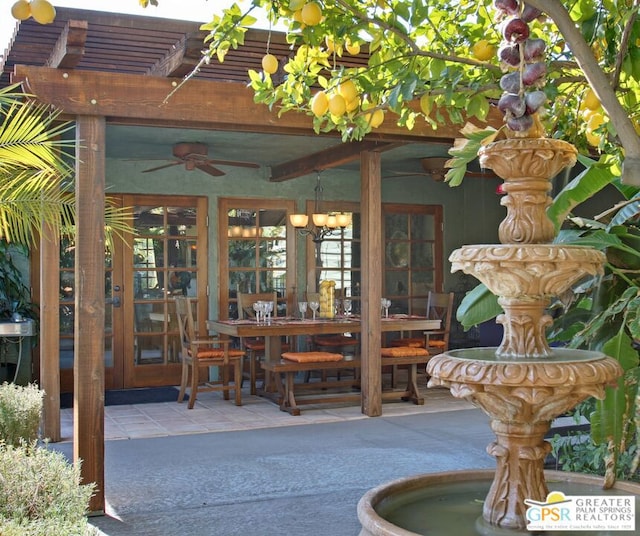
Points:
(289, 398)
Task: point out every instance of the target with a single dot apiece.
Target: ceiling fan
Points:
(435, 168)
(196, 156)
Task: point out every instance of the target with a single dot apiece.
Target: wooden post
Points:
(88, 411)
(371, 335)
(50, 331)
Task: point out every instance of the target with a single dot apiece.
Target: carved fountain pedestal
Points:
(523, 384)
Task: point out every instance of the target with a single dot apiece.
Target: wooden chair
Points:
(439, 307)
(254, 346)
(205, 352)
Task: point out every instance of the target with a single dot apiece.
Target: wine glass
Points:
(302, 307)
(315, 305)
(347, 305)
(268, 309)
(256, 308)
(386, 304)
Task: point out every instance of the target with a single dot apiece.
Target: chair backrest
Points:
(246, 301)
(184, 313)
(440, 307)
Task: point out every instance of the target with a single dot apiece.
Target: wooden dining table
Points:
(279, 327)
(274, 330)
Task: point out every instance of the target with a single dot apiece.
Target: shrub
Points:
(20, 413)
(40, 493)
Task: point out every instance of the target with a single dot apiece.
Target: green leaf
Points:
(621, 350)
(479, 305)
(584, 186)
(607, 421)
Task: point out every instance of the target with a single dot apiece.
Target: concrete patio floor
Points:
(223, 470)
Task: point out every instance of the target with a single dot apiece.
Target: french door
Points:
(165, 256)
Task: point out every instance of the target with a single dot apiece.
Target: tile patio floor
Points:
(213, 414)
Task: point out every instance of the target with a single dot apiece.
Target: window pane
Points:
(397, 283)
(272, 223)
(422, 227)
(422, 255)
(242, 281)
(242, 253)
(149, 220)
(421, 282)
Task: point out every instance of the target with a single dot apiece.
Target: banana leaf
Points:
(586, 184)
(478, 305)
(609, 421)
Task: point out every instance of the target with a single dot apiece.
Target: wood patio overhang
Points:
(102, 68)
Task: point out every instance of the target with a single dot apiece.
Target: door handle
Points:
(115, 301)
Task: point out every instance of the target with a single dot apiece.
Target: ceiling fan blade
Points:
(162, 167)
(215, 172)
(234, 163)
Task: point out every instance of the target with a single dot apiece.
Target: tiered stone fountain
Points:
(523, 384)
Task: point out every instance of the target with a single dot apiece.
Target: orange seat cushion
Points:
(217, 353)
(311, 357)
(403, 351)
(437, 344)
(413, 342)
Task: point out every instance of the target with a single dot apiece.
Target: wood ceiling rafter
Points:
(183, 59)
(69, 48)
(337, 155)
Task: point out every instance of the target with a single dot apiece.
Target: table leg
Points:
(412, 385)
(289, 401)
(272, 353)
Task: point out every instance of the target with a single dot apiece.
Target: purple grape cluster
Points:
(522, 57)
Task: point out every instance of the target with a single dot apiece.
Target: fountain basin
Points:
(527, 270)
(451, 503)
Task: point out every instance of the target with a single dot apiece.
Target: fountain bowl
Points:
(450, 503)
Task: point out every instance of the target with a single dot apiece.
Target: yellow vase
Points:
(327, 296)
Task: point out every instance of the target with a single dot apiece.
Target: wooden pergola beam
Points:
(197, 104)
(69, 48)
(341, 153)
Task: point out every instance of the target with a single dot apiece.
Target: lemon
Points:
(374, 118)
(21, 10)
(337, 105)
(269, 63)
(331, 46)
(425, 104)
(377, 118)
(596, 120)
(319, 104)
(483, 50)
(311, 14)
(352, 48)
(42, 11)
(297, 16)
(591, 100)
(353, 105)
(348, 90)
(593, 138)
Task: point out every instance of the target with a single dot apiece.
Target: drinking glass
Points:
(256, 308)
(314, 307)
(386, 304)
(268, 309)
(302, 307)
(346, 304)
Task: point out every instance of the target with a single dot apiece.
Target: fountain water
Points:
(523, 384)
